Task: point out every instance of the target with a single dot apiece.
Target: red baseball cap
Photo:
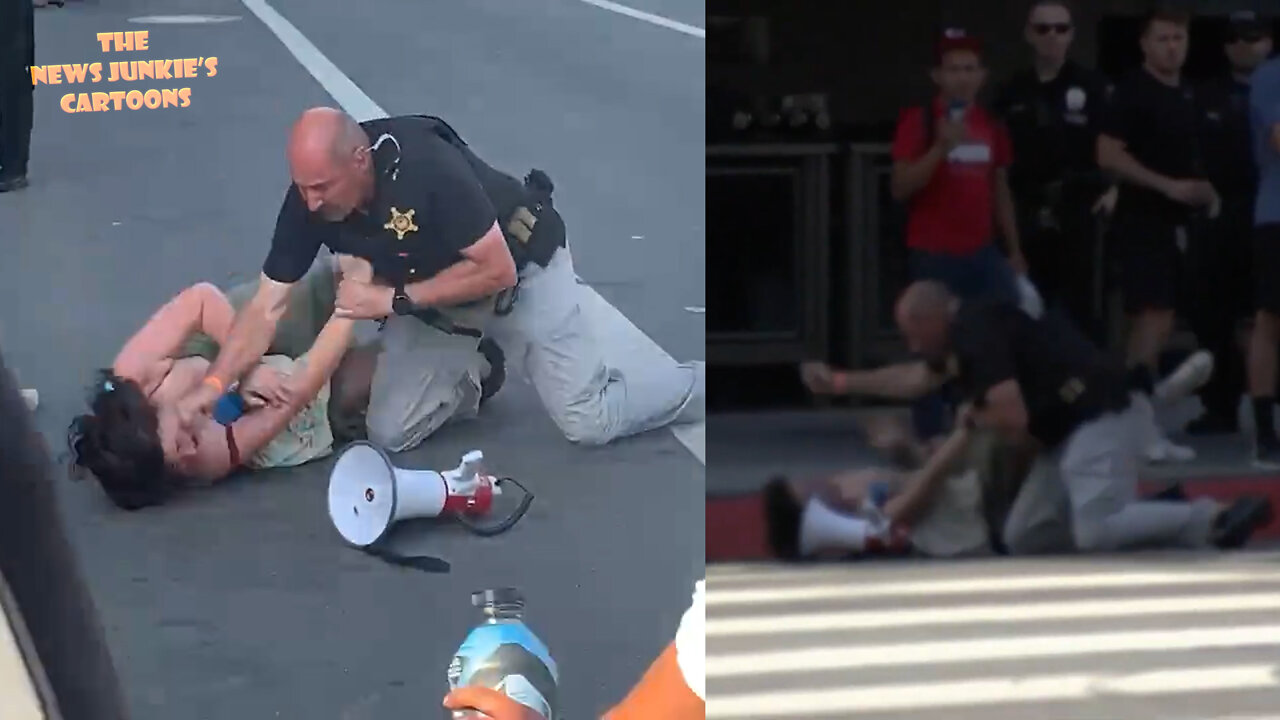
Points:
(957, 39)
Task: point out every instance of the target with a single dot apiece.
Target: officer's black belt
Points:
(437, 320)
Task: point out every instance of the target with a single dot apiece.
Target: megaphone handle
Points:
(509, 522)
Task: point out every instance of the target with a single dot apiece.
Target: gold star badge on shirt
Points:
(401, 223)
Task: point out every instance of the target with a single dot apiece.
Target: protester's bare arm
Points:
(255, 429)
(922, 485)
(848, 490)
(200, 308)
(250, 336)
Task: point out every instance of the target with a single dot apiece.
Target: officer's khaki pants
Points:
(553, 336)
(1084, 496)
(424, 377)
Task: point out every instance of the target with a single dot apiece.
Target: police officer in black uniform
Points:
(458, 249)
(1222, 251)
(1053, 111)
(17, 55)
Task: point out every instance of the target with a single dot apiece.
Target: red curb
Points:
(736, 531)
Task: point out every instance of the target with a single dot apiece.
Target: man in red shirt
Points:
(952, 171)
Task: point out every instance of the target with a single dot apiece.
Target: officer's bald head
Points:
(923, 314)
(330, 162)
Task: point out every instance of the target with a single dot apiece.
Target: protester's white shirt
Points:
(691, 643)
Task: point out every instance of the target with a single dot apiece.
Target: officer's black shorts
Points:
(1266, 267)
(1150, 261)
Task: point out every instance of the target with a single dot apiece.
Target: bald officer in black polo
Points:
(459, 250)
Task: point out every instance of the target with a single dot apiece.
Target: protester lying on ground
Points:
(907, 506)
(1040, 379)
(284, 414)
(928, 501)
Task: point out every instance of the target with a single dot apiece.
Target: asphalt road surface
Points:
(240, 602)
(1143, 637)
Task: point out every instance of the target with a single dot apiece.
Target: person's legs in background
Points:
(1221, 273)
(1262, 343)
(1080, 260)
(1150, 258)
(15, 104)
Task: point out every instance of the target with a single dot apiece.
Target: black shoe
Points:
(1213, 424)
(1173, 493)
(9, 183)
(497, 376)
(1239, 521)
(1266, 453)
(782, 514)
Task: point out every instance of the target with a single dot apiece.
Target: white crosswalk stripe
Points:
(1165, 637)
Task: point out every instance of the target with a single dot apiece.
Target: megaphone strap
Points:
(424, 563)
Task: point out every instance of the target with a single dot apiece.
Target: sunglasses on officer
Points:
(1055, 28)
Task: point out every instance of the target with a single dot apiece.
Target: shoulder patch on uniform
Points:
(401, 223)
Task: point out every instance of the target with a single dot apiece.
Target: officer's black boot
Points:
(492, 383)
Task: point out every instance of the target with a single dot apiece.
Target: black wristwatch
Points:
(401, 303)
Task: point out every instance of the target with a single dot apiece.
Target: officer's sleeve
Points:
(984, 349)
(908, 138)
(1118, 114)
(460, 210)
(296, 241)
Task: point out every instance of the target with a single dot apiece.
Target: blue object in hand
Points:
(230, 407)
(879, 494)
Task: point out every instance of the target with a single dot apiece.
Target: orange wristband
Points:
(215, 383)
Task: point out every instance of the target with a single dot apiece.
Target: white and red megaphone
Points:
(368, 495)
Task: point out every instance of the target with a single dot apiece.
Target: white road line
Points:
(1023, 647)
(1024, 689)
(362, 107)
(658, 20)
(719, 597)
(998, 613)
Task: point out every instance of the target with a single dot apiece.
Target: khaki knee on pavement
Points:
(388, 434)
(585, 424)
(1092, 534)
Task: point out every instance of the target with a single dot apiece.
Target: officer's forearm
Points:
(904, 381)
(1124, 166)
(464, 281)
(248, 341)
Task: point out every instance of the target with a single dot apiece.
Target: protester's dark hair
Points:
(118, 441)
(1166, 13)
